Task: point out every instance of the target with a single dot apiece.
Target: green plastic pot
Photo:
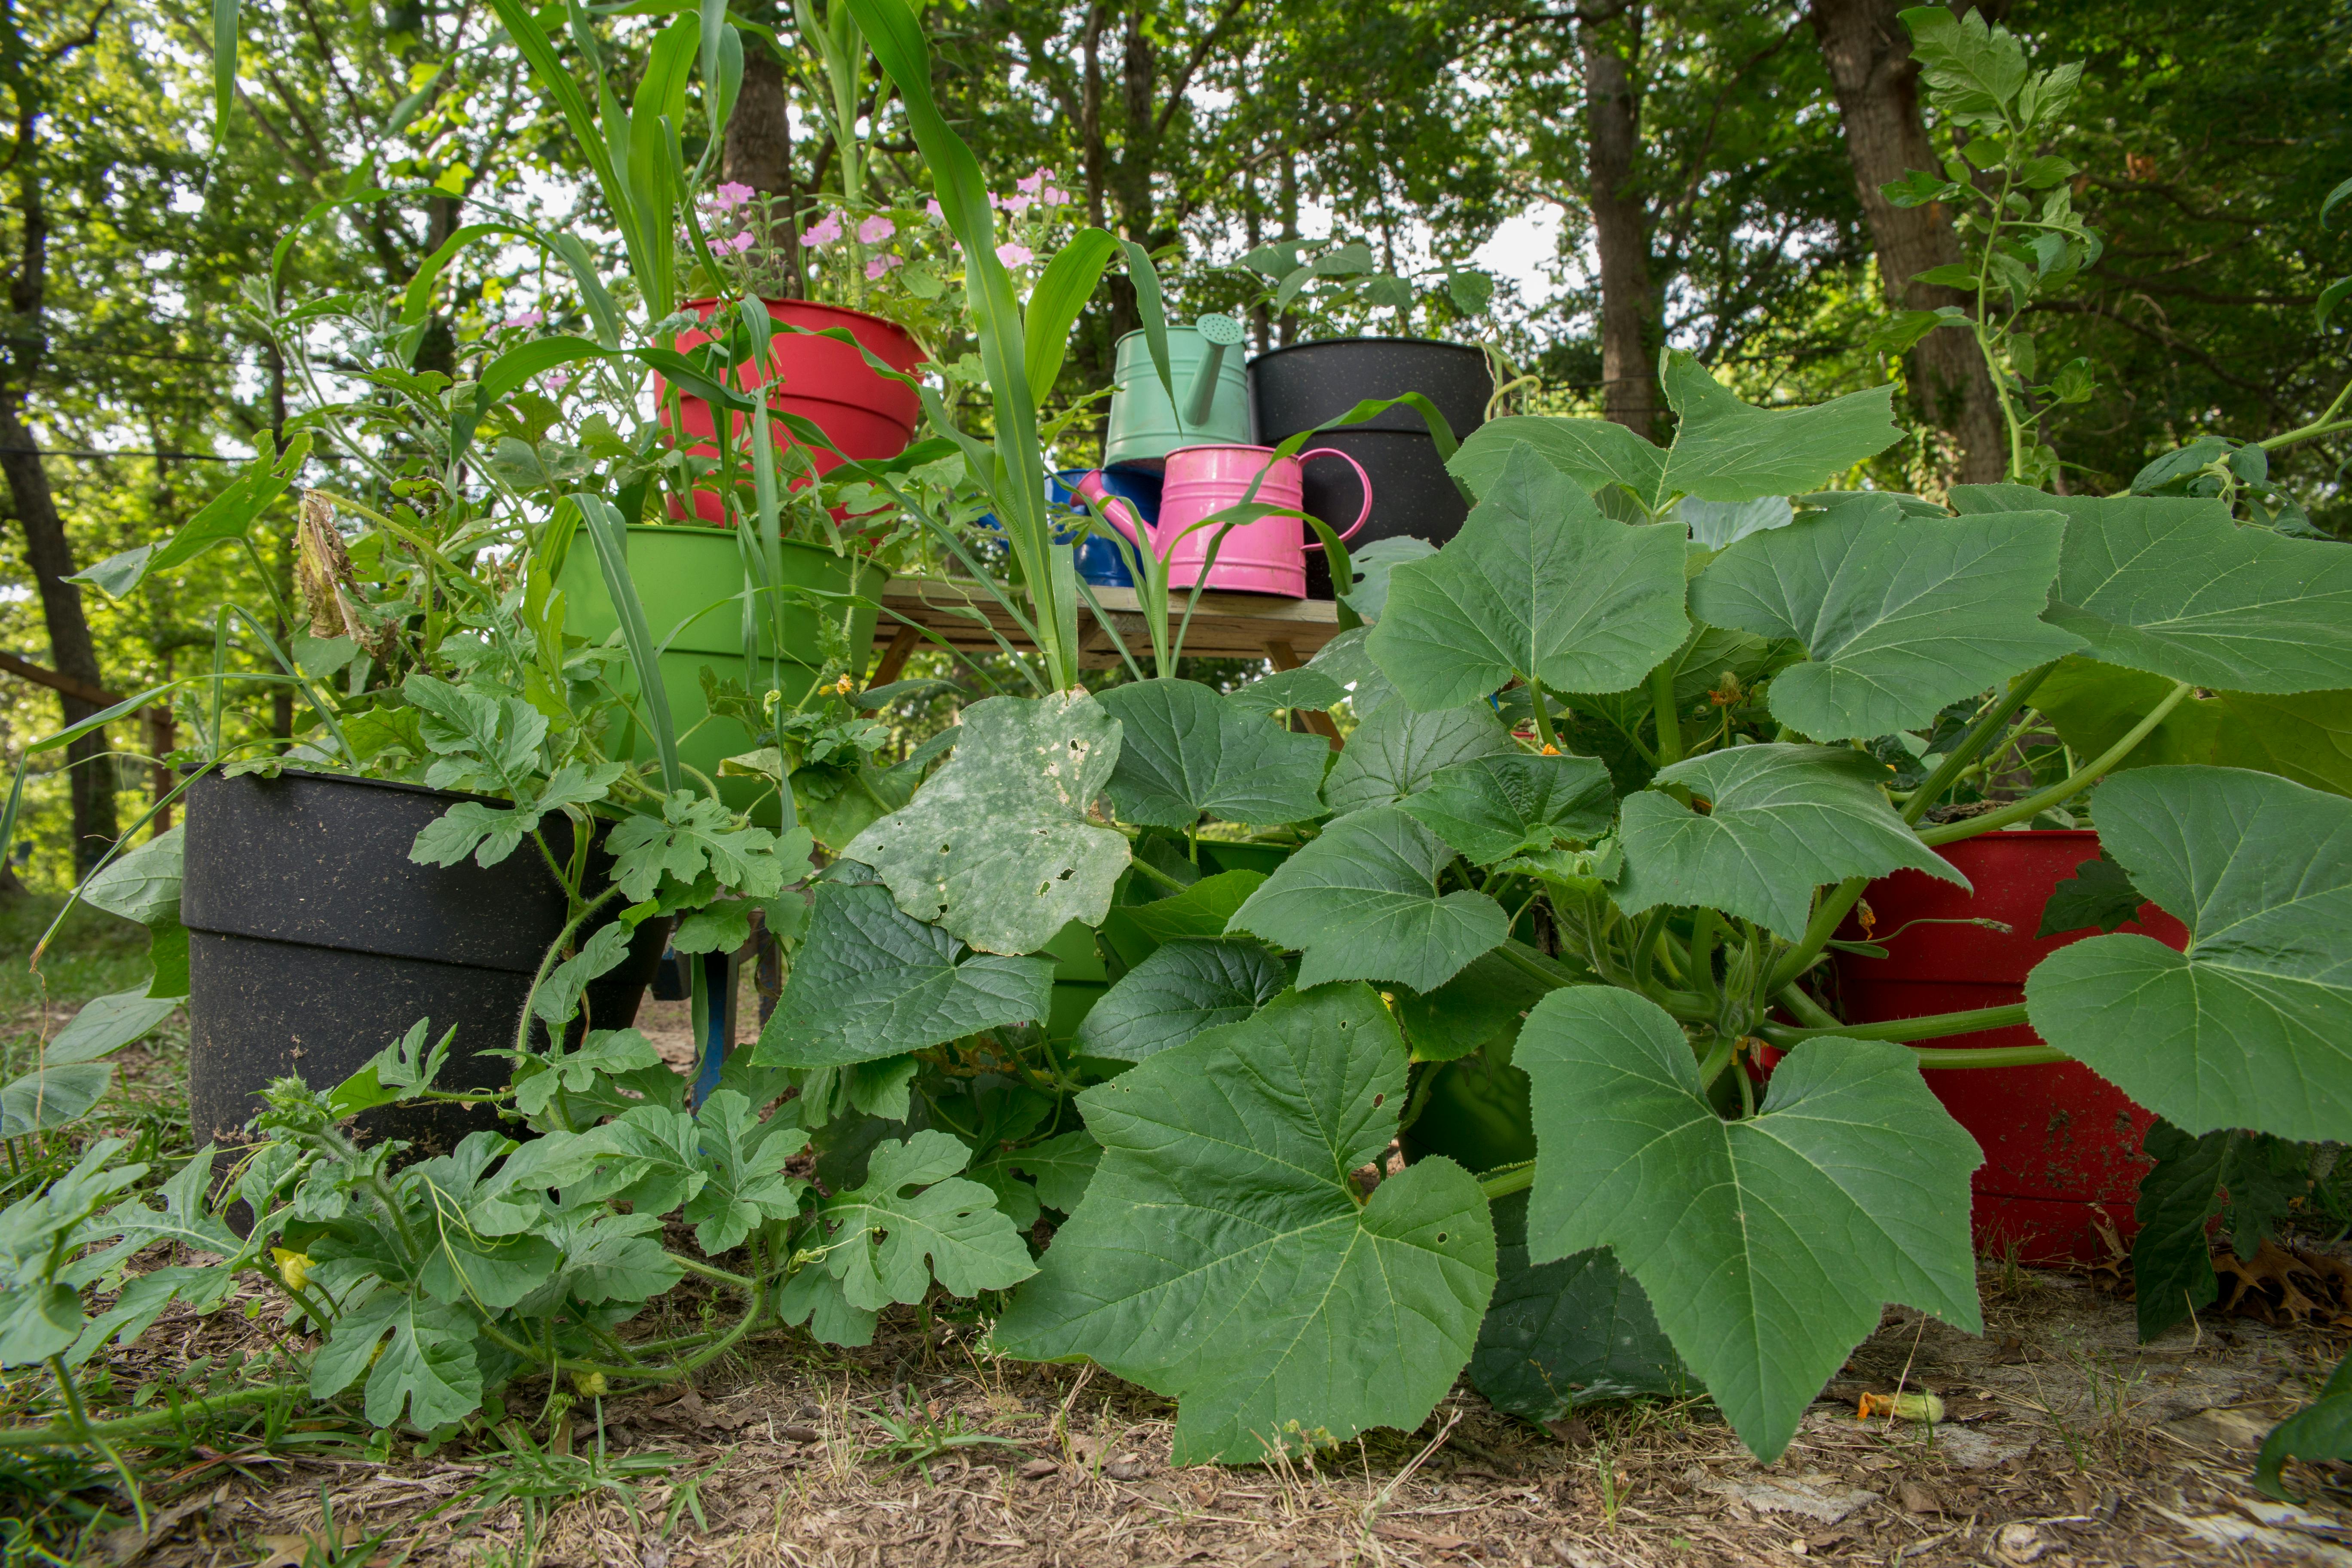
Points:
(1478, 1114)
(687, 579)
(1080, 979)
(1145, 426)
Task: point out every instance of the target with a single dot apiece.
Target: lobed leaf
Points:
(2252, 1027)
(1220, 1256)
(1186, 753)
(1767, 1247)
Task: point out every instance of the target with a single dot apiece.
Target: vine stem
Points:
(2326, 424)
(2073, 783)
(1669, 720)
(1973, 741)
(72, 1392)
(131, 1427)
(1934, 1026)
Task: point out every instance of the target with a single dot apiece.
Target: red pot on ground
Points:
(828, 383)
(2061, 1144)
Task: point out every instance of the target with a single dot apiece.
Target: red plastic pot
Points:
(2061, 1144)
(865, 414)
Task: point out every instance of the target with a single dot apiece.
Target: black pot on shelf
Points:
(314, 941)
(1307, 384)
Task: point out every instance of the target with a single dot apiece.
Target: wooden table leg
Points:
(894, 658)
(1311, 721)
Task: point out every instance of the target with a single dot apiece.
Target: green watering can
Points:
(1212, 404)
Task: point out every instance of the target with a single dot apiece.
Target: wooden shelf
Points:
(1224, 625)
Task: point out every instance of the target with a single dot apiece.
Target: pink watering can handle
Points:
(1362, 478)
(1118, 509)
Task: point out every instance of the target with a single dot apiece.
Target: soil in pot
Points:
(865, 414)
(689, 580)
(2061, 1145)
(1307, 385)
(315, 942)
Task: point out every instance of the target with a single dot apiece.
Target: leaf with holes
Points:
(1220, 1256)
(996, 846)
(1767, 1246)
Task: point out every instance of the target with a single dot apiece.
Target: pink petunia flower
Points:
(555, 381)
(880, 265)
(1013, 255)
(740, 244)
(1054, 198)
(932, 207)
(823, 232)
(875, 229)
(1016, 206)
(731, 195)
(524, 319)
(1033, 183)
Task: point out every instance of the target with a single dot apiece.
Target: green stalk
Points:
(1543, 720)
(2081, 779)
(1832, 910)
(2326, 424)
(1508, 1179)
(1933, 1026)
(1988, 724)
(60, 1434)
(1933, 1060)
(1662, 711)
(72, 1392)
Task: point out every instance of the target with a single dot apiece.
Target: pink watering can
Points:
(1267, 556)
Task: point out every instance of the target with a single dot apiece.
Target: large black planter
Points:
(1300, 387)
(314, 941)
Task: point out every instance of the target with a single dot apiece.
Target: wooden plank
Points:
(1224, 626)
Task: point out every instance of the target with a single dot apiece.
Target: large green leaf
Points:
(745, 1157)
(1397, 751)
(1497, 807)
(1901, 616)
(869, 982)
(2174, 587)
(1724, 450)
(417, 1355)
(1767, 1246)
(2252, 1026)
(1538, 584)
(1220, 1255)
(996, 846)
(1363, 902)
(2306, 737)
(1186, 753)
(1779, 821)
(1479, 1007)
(1183, 988)
(106, 1023)
(2172, 1256)
(1133, 931)
(882, 1242)
(144, 884)
(1566, 1333)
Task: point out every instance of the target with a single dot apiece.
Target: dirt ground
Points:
(2063, 1443)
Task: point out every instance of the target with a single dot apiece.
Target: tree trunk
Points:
(1620, 226)
(71, 653)
(1869, 55)
(759, 152)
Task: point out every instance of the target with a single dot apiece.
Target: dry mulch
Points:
(2064, 1442)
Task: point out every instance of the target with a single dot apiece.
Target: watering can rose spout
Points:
(1218, 334)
